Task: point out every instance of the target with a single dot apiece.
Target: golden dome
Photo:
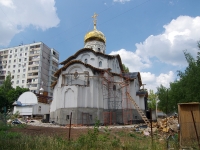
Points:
(95, 35)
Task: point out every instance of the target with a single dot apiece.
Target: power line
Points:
(105, 21)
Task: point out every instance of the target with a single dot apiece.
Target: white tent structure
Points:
(28, 105)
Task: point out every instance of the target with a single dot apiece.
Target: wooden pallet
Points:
(138, 109)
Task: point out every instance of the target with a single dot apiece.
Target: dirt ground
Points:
(64, 131)
(51, 131)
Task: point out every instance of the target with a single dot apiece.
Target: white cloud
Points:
(121, 1)
(180, 34)
(152, 81)
(17, 15)
(131, 60)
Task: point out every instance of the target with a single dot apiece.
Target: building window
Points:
(8, 66)
(10, 56)
(10, 51)
(13, 76)
(18, 70)
(22, 81)
(39, 109)
(23, 75)
(100, 64)
(17, 76)
(20, 49)
(26, 49)
(25, 59)
(20, 54)
(98, 49)
(15, 50)
(19, 60)
(85, 61)
(17, 81)
(14, 60)
(67, 117)
(25, 54)
(13, 66)
(13, 71)
(19, 65)
(15, 55)
(24, 70)
(9, 61)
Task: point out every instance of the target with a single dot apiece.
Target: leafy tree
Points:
(14, 94)
(125, 69)
(4, 88)
(184, 90)
(152, 97)
(8, 94)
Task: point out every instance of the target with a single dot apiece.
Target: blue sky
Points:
(149, 35)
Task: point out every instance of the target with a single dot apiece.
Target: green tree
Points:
(152, 97)
(8, 94)
(125, 69)
(4, 89)
(184, 90)
(13, 94)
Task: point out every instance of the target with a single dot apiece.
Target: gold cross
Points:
(95, 20)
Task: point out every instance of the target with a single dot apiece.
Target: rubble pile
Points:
(168, 124)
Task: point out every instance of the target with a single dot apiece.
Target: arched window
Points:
(85, 61)
(98, 49)
(100, 64)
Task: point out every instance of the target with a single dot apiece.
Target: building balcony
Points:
(31, 71)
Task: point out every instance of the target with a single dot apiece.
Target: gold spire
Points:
(95, 20)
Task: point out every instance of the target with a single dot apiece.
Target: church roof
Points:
(94, 52)
(57, 73)
(133, 75)
(130, 75)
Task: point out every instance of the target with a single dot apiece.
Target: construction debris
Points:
(166, 125)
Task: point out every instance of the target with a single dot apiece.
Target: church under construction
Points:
(93, 85)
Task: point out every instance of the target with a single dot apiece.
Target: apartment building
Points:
(31, 66)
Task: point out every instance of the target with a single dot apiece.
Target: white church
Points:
(93, 85)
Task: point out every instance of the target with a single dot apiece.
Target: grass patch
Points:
(92, 140)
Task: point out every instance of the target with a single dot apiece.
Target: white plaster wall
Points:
(53, 104)
(45, 109)
(95, 45)
(94, 60)
(68, 97)
(141, 100)
(78, 96)
(23, 110)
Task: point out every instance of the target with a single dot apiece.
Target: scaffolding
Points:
(111, 97)
(118, 99)
(127, 111)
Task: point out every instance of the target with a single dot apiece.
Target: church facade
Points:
(93, 85)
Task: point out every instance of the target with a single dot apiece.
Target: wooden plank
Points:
(187, 130)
